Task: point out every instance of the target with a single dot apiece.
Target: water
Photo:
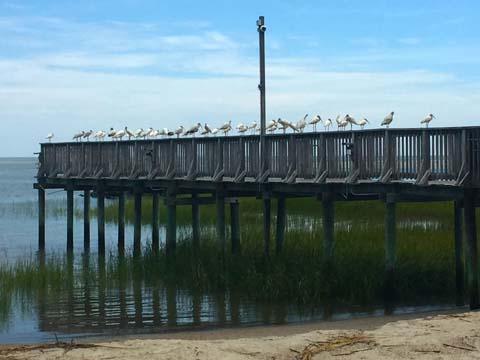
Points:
(59, 295)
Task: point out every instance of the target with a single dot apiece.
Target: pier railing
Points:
(445, 155)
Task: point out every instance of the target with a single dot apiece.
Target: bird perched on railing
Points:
(50, 137)
(426, 120)
(138, 133)
(206, 130)
(350, 120)
(341, 122)
(214, 131)
(253, 126)
(388, 119)
(179, 130)
(99, 135)
(120, 134)
(111, 133)
(285, 124)
(163, 132)
(78, 136)
(147, 133)
(87, 134)
(363, 122)
(128, 133)
(225, 126)
(301, 123)
(193, 130)
(271, 126)
(227, 129)
(242, 129)
(316, 119)
(327, 123)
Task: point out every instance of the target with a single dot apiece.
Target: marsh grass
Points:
(424, 273)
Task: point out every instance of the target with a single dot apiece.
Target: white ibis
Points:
(178, 131)
(363, 122)
(99, 135)
(271, 126)
(240, 126)
(155, 133)
(163, 132)
(214, 131)
(285, 124)
(87, 134)
(350, 120)
(193, 130)
(327, 123)
(388, 119)
(78, 136)
(242, 129)
(302, 123)
(111, 133)
(316, 119)
(253, 126)
(50, 137)
(148, 133)
(227, 129)
(341, 122)
(128, 133)
(120, 134)
(138, 133)
(426, 120)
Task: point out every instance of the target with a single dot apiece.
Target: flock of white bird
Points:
(206, 130)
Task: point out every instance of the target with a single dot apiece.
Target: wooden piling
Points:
(328, 211)
(121, 223)
(459, 266)
(101, 220)
(235, 226)
(69, 219)
(471, 254)
(390, 249)
(220, 207)
(41, 219)
(171, 241)
(137, 225)
(86, 221)
(195, 222)
(155, 224)
(266, 225)
(280, 233)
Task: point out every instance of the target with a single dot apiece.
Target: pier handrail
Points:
(442, 155)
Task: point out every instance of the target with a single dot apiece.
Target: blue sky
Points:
(72, 65)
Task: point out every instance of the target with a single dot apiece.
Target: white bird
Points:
(314, 121)
(350, 120)
(253, 126)
(388, 119)
(50, 137)
(193, 130)
(87, 134)
(227, 129)
(112, 133)
(242, 129)
(240, 126)
(302, 123)
(99, 135)
(285, 124)
(426, 120)
(155, 133)
(78, 136)
(227, 125)
(363, 122)
(214, 131)
(164, 132)
(327, 123)
(128, 133)
(147, 133)
(179, 130)
(341, 122)
(120, 134)
(271, 126)
(138, 133)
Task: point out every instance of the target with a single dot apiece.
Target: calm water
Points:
(105, 296)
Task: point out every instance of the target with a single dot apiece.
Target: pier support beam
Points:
(69, 219)
(459, 267)
(155, 223)
(390, 250)
(137, 224)
(101, 220)
(171, 241)
(121, 223)
(280, 233)
(220, 207)
(471, 253)
(328, 226)
(41, 219)
(266, 225)
(235, 226)
(195, 223)
(86, 221)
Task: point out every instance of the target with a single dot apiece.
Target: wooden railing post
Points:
(388, 162)
(425, 168)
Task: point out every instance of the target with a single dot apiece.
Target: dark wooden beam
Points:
(101, 219)
(280, 230)
(266, 225)
(155, 223)
(471, 252)
(235, 226)
(69, 220)
(86, 221)
(121, 224)
(137, 222)
(195, 221)
(458, 240)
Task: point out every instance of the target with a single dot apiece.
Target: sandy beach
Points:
(445, 335)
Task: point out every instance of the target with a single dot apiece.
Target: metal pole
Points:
(261, 28)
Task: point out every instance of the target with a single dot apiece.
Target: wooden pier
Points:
(392, 165)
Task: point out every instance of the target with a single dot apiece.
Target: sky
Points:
(67, 66)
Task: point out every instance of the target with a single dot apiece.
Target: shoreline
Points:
(444, 334)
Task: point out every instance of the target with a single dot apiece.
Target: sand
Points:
(441, 336)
